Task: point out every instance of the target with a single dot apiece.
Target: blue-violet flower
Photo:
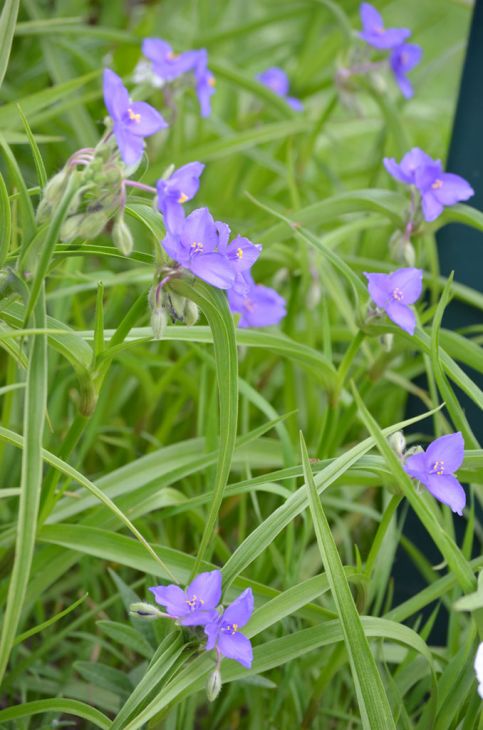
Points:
(402, 60)
(374, 33)
(224, 635)
(132, 120)
(276, 80)
(393, 292)
(181, 186)
(196, 606)
(259, 306)
(434, 468)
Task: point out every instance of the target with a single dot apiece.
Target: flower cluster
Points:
(437, 189)
(163, 65)
(198, 605)
(276, 80)
(403, 56)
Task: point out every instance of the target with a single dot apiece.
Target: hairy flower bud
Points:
(397, 442)
(93, 224)
(145, 611)
(214, 685)
(191, 313)
(55, 187)
(122, 236)
(70, 228)
(159, 321)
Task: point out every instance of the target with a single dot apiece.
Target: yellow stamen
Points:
(239, 253)
(438, 467)
(182, 198)
(197, 247)
(437, 184)
(172, 56)
(211, 81)
(133, 116)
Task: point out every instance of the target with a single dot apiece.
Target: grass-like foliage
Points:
(219, 291)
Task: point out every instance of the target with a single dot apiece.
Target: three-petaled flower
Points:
(394, 292)
(196, 606)
(434, 468)
(374, 32)
(438, 189)
(166, 64)
(276, 80)
(132, 120)
(175, 190)
(224, 635)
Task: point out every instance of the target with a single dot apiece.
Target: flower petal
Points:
(448, 490)
(396, 171)
(200, 227)
(449, 449)
(453, 189)
(213, 268)
(223, 232)
(212, 630)
(236, 646)
(130, 146)
(144, 119)
(243, 253)
(174, 248)
(173, 215)
(116, 97)
(410, 282)
(275, 79)
(416, 466)
(401, 315)
(379, 288)
(371, 18)
(206, 586)
(295, 103)
(240, 610)
(172, 598)
(186, 180)
(201, 617)
(432, 208)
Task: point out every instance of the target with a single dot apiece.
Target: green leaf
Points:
(8, 20)
(5, 222)
(126, 636)
(62, 706)
(371, 695)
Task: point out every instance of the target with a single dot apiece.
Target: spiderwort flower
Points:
(259, 306)
(479, 669)
(166, 64)
(402, 60)
(435, 466)
(181, 186)
(194, 246)
(393, 292)
(241, 251)
(132, 120)
(438, 189)
(276, 80)
(196, 606)
(374, 33)
(205, 82)
(224, 635)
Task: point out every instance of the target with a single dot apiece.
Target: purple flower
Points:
(181, 186)
(132, 120)
(438, 188)
(393, 292)
(258, 305)
(402, 60)
(205, 82)
(194, 245)
(167, 64)
(276, 80)
(223, 634)
(196, 606)
(435, 466)
(374, 33)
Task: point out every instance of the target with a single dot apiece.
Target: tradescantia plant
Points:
(214, 304)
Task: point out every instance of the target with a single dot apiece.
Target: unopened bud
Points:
(409, 254)
(397, 442)
(92, 224)
(122, 237)
(145, 611)
(55, 188)
(44, 210)
(387, 341)
(214, 685)
(176, 305)
(70, 228)
(159, 321)
(191, 313)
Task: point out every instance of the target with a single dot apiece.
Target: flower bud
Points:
(70, 228)
(55, 188)
(191, 313)
(397, 442)
(122, 237)
(409, 254)
(92, 224)
(386, 341)
(176, 305)
(145, 611)
(159, 321)
(214, 685)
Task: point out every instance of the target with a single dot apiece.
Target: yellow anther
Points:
(211, 81)
(397, 295)
(197, 246)
(437, 184)
(239, 253)
(438, 467)
(172, 56)
(182, 198)
(133, 116)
